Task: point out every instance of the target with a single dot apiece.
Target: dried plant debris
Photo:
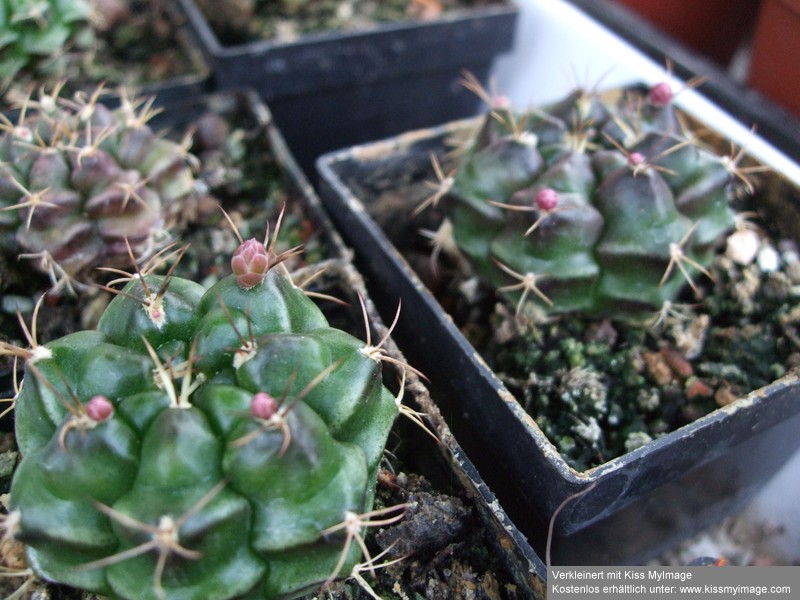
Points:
(442, 546)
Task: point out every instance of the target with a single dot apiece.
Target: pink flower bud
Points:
(546, 199)
(501, 102)
(24, 133)
(635, 159)
(660, 94)
(250, 263)
(263, 406)
(99, 408)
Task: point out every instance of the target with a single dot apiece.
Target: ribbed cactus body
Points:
(38, 35)
(601, 206)
(212, 437)
(78, 180)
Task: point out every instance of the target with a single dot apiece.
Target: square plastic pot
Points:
(630, 508)
(331, 90)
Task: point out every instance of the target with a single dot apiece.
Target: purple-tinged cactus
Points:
(82, 185)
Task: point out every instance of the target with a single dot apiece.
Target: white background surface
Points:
(558, 47)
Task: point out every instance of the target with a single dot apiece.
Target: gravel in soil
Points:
(601, 389)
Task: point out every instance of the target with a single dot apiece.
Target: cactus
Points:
(215, 442)
(39, 36)
(591, 206)
(82, 185)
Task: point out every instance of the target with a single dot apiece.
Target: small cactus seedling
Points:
(201, 443)
(40, 36)
(607, 209)
(81, 185)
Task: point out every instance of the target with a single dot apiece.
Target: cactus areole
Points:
(588, 206)
(208, 453)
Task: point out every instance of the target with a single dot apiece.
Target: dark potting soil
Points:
(141, 46)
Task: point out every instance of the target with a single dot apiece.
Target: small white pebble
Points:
(589, 431)
(790, 257)
(345, 11)
(11, 303)
(469, 288)
(636, 439)
(743, 246)
(768, 259)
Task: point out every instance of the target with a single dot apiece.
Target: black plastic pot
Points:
(631, 508)
(332, 90)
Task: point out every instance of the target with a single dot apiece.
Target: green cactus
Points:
(82, 185)
(603, 208)
(39, 36)
(217, 443)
